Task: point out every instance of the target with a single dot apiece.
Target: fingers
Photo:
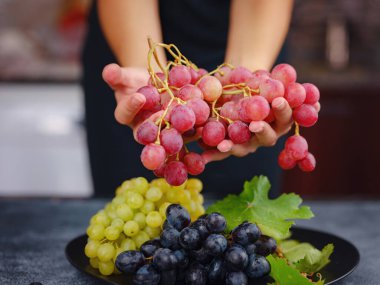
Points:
(127, 107)
(265, 134)
(214, 155)
(114, 76)
(225, 145)
(283, 114)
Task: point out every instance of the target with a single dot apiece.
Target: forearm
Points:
(257, 31)
(126, 25)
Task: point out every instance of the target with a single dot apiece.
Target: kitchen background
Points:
(334, 44)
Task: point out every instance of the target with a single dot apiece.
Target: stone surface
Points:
(34, 234)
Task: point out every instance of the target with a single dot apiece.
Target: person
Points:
(247, 33)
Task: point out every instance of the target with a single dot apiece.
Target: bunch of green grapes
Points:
(134, 216)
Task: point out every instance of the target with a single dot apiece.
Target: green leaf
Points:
(284, 274)
(305, 257)
(274, 217)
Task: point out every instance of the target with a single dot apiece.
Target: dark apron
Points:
(199, 28)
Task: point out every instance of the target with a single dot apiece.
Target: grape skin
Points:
(182, 118)
(175, 173)
(171, 140)
(194, 163)
(147, 133)
(305, 115)
(153, 156)
(213, 133)
(239, 132)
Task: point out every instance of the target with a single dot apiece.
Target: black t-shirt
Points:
(199, 28)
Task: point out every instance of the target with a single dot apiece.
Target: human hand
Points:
(265, 134)
(125, 81)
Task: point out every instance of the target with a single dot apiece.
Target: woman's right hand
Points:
(125, 81)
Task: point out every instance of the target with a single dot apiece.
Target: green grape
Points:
(128, 244)
(117, 252)
(184, 196)
(95, 232)
(153, 194)
(180, 187)
(147, 207)
(154, 219)
(109, 207)
(194, 184)
(91, 248)
(126, 185)
(112, 215)
(105, 252)
(118, 223)
(162, 184)
(162, 209)
(135, 200)
(101, 218)
(119, 191)
(172, 196)
(94, 262)
(124, 212)
(152, 232)
(106, 268)
(198, 199)
(139, 218)
(140, 185)
(131, 228)
(112, 233)
(140, 238)
(118, 200)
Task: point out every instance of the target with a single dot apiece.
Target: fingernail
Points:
(278, 103)
(137, 100)
(255, 127)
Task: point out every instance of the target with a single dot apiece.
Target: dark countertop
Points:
(34, 233)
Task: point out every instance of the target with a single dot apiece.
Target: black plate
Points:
(343, 261)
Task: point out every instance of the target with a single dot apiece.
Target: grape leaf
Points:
(284, 274)
(273, 216)
(305, 257)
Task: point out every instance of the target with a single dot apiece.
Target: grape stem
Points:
(297, 129)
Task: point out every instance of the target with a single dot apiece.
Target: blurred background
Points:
(334, 44)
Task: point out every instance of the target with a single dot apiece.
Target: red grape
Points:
(194, 163)
(159, 172)
(296, 146)
(171, 140)
(201, 110)
(147, 132)
(312, 93)
(239, 132)
(159, 75)
(255, 108)
(213, 133)
(285, 73)
(153, 156)
(179, 76)
(285, 160)
(239, 75)
(305, 115)
(230, 110)
(151, 95)
(211, 88)
(224, 75)
(295, 94)
(271, 88)
(257, 76)
(308, 163)
(182, 118)
(188, 92)
(175, 173)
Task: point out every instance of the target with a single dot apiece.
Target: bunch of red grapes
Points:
(217, 109)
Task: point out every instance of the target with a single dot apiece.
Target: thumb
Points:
(128, 106)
